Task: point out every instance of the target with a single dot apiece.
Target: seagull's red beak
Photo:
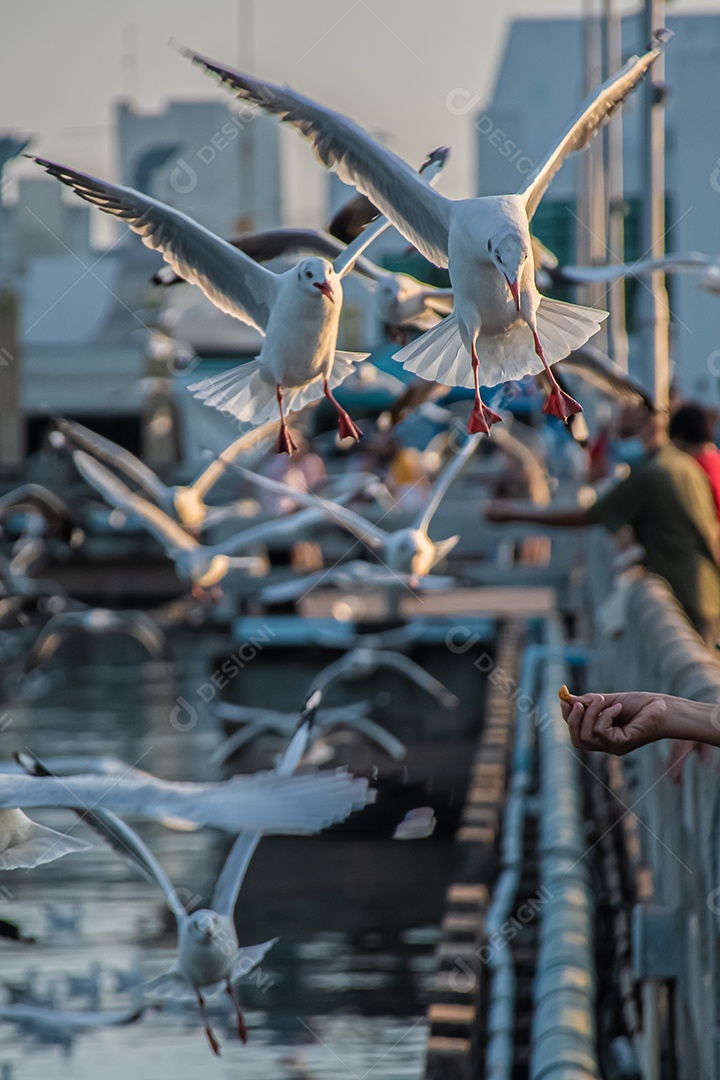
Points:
(326, 289)
(515, 290)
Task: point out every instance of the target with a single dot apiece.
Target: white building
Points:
(538, 87)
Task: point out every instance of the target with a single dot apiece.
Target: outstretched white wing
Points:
(262, 802)
(24, 843)
(170, 534)
(233, 282)
(421, 215)
(369, 534)
(117, 835)
(116, 456)
(689, 262)
(345, 262)
(595, 111)
(445, 479)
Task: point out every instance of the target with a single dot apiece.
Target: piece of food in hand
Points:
(564, 694)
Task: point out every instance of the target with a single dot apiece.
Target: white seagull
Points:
(370, 652)
(501, 326)
(95, 622)
(689, 262)
(257, 721)
(264, 802)
(204, 565)
(402, 303)
(403, 551)
(298, 311)
(209, 954)
(184, 502)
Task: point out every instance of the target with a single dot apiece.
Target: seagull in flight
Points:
(95, 622)
(298, 311)
(263, 802)
(501, 326)
(403, 551)
(689, 262)
(204, 565)
(185, 503)
(255, 721)
(402, 303)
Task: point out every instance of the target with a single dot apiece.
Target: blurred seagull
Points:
(265, 802)
(298, 311)
(691, 262)
(96, 622)
(61, 1026)
(204, 565)
(25, 844)
(405, 551)
(500, 326)
(35, 499)
(261, 721)
(186, 503)
(370, 652)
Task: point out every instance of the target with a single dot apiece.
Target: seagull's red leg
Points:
(241, 1026)
(214, 1044)
(558, 402)
(481, 418)
(348, 430)
(284, 444)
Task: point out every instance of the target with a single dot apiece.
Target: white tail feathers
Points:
(440, 356)
(244, 393)
(25, 844)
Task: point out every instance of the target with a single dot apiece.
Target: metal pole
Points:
(614, 186)
(653, 303)
(592, 226)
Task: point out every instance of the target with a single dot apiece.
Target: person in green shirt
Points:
(667, 501)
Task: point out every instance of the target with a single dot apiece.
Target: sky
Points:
(390, 64)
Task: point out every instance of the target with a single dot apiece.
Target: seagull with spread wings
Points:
(404, 551)
(203, 564)
(256, 721)
(501, 327)
(184, 502)
(402, 303)
(707, 267)
(298, 311)
(209, 955)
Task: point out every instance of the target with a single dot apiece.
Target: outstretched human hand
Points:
(615, 723)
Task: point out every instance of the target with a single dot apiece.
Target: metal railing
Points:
(650, 645)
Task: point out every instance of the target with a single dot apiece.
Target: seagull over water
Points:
(501, 327)
(256, 721)
(265, 802)
(298, 311)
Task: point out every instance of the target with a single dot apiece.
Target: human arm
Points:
(619, 723)
(500, 511)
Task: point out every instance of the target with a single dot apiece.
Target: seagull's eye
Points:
(489, 246)
(308, 273)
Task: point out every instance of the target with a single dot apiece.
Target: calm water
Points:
(357, 914)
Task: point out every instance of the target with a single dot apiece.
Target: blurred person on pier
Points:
(667, 501)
